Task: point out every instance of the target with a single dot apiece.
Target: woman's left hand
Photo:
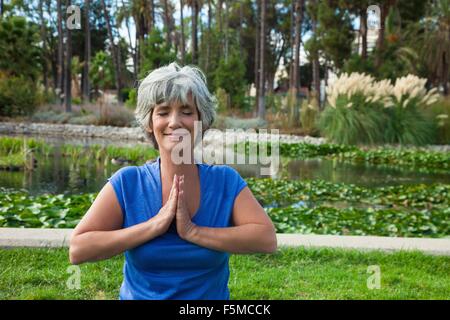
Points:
(185, 227)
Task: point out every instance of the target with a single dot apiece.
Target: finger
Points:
(180, 199)
(173, 200)
(174, 186)
(181, 184)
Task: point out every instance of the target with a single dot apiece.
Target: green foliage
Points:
(223, 103)
(294, 206)
(19, 66)
(420, 160)
(132, 99)
(155, 53)
(356, 63)
(101, 71)
(334, 36)
(440, 113)
(19, 51)
(309, 115)
(325, 208)
(134, 154)
(18, 95)
(408, 126)
(360, 123)
(230, 76)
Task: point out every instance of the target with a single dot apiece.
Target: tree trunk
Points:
(151, 20)
(168, 24)
(115, 51)
(445, 68)
(68, 70)
(194, 48)
(257, 38)
(226, 30)
(241, 21)
(87, 54)
(1, 8)
(261, 101)
(44, 47)
(295, 86)
(208, 39)
(292, 40)
(363, 32)
(219, 15)
(60, 85)
(183, 40)
(132, 48)
(315, 64)
(150, 16)
(297, 42)
(380, 41)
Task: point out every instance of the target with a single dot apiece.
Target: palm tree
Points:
(124, 14)
(143, 14)
(436, 43)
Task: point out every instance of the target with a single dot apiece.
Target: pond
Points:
(59, 174)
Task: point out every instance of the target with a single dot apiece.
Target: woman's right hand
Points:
(167, 213)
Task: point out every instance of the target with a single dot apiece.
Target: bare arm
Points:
(253, 231)
(100, 235)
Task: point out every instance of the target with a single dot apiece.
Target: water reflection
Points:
(59, 174)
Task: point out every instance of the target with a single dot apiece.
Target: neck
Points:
(169, 169)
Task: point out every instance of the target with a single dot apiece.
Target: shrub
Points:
(230, 76)
(223, 101)
(18, 95)
(132, 99)
(407, 122)
(309, 115)
(353, 112)
(440, 112)
(115, 116)
(362, 110)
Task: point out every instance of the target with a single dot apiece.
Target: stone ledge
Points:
(57, 238)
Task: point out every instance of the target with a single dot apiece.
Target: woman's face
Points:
(170, 122)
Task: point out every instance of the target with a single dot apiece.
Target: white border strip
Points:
(56, 238)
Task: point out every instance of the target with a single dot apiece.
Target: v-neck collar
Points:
(157, 168)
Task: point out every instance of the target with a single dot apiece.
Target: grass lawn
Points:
(291, 273)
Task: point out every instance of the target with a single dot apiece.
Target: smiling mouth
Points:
(174, 136)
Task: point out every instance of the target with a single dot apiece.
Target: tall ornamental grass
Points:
(362, 110)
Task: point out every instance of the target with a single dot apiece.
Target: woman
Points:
(176, 223)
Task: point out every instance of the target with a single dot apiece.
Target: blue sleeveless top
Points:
(168, 267)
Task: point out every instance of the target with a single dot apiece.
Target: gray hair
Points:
(174, 83)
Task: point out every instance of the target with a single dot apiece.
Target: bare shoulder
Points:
(105, 213)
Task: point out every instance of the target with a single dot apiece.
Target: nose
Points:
(174, 120)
